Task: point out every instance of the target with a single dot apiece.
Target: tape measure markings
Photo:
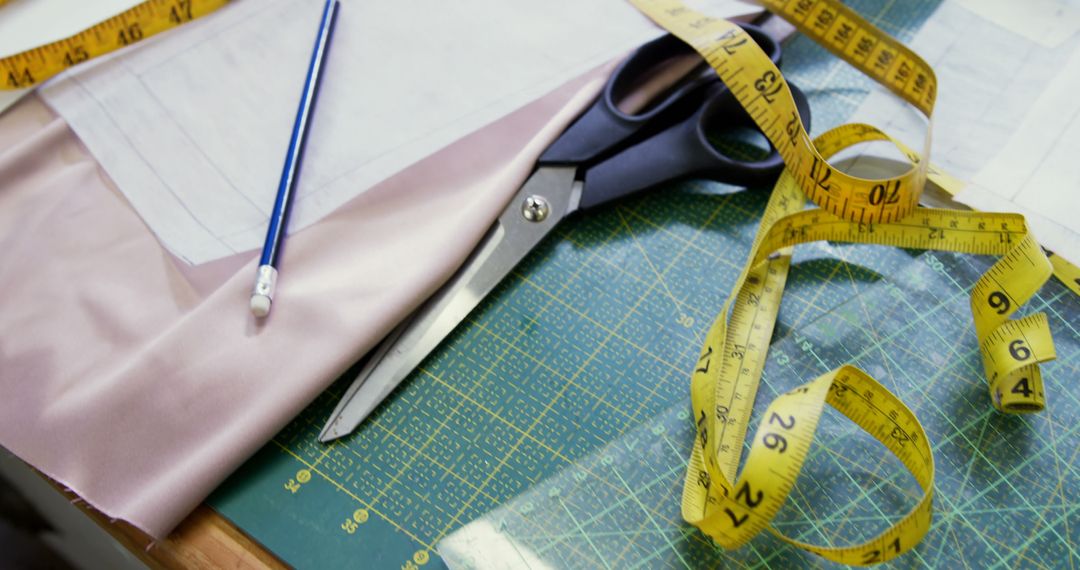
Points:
(1066, 272)
(33, 66)
(855, 210)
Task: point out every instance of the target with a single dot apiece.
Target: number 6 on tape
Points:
(726, 377)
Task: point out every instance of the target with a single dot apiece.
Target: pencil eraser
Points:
(260, 305)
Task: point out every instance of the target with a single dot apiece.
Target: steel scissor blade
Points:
(508, 241)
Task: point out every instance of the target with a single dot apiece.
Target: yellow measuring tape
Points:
(31, 67)
(731, 509)
(1068, 273)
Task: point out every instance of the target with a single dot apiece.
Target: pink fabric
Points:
(142, 383)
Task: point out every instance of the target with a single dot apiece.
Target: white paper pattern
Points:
(194, 128)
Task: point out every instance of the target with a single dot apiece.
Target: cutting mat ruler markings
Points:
(579, 519)
(640, 283)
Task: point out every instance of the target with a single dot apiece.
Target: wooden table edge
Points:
(204, 539)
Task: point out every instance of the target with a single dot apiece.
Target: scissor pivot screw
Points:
(535, 208)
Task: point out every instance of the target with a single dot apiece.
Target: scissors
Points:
(643, 130)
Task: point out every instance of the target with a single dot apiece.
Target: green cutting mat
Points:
(591, 341)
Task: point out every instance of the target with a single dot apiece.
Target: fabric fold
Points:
(140, 382)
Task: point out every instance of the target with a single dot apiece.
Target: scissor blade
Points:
(508, 241)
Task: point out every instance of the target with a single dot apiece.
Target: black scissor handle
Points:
(684, 151)
(604, 128)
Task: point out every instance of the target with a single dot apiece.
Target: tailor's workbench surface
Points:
(591, 342)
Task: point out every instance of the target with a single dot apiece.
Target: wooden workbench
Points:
(204, 539)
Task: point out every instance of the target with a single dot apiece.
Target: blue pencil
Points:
(262, 294)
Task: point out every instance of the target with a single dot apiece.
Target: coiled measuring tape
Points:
(732, 510)
(31, 67)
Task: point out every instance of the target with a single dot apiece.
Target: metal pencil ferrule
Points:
(265, 281)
